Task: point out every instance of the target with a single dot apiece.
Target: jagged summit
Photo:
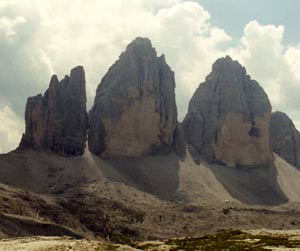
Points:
(134, 112)
(140, 42)
(228, 117)
(58, 120)
(139, 47)
(226, 65)
(53, 81)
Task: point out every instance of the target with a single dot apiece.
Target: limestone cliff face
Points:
(228, 118)
(285, 138)
(58, 120)
(134, 112)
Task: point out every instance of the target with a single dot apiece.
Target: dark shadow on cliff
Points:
(157, 175)
(251, 185)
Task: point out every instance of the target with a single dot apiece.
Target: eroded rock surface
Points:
(285, 138)
(58, 120)
(134, 112)
(228, 118)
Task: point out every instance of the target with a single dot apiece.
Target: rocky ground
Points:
(107, 211)
(133, 200)
(258, 240)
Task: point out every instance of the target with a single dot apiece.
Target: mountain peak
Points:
(77, 72)
(53, 81)
(141, 47)
(50, 119)
(134, 112)
(142, 41)
(228, 117)
(227, 66)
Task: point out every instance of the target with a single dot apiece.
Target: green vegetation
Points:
(235, 240)
(277, 241)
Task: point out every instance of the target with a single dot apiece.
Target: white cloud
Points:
(10, 129)
(8, 27)
(96, 37)
(261, 52)
(58, 35)
(273, 64)
(3, 4)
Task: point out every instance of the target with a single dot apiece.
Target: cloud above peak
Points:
(10, 130)
(272, 63)
(8, 27)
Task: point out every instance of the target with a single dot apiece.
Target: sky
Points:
(39, 38)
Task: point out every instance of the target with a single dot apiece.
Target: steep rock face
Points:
(228, 117)
(285, 139)
(134, 112)
(58, 120)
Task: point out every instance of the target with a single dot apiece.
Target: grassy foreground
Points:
(234, 240)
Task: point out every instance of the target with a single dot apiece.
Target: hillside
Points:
(165, 176)
(86, 196)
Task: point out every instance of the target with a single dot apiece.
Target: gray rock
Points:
(285, 138)
(134, 112)
(58, 120)
(228, 117)
(179, 144)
